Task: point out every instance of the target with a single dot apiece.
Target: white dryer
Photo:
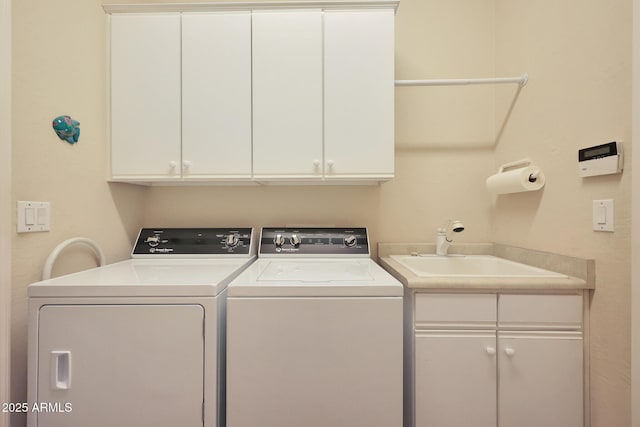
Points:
(138, 343)
(314, 331)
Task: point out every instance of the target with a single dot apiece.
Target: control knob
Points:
(295, 241)
(278, 240)
(153, 241)
(232, 240)
(350, 241)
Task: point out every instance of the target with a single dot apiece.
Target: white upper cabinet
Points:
(181, 96)
(145, 96)
(359, 94)
(216, 96)
(287, 94)
(232, 92)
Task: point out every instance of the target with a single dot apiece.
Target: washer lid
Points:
(144, 278)
(314, 278)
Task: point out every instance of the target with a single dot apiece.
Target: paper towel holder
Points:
(516, 177)
(533, 177)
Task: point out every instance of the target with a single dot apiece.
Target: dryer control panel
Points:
(193, 242)
(314, 241)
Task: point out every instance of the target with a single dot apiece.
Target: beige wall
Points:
(446, 147)
(5, 203)
(442, 159)
(59, 67)
(578, 56)
(635, 219)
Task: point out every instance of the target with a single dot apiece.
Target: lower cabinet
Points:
(455, 378)
(541, 379)
(491, 359)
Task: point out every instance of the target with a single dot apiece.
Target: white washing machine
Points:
(314, 331)
(139, 343)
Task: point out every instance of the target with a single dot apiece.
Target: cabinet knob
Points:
(172, 164)
(330, 163)
(186, 164)
(491, 351)
(509, 351)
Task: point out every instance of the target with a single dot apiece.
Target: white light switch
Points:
(602, 215)
(34, 216)
(29, 216)
(43, 216)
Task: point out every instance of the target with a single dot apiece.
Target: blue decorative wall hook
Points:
(67, 129)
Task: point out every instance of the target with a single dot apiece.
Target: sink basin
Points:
(469, 266)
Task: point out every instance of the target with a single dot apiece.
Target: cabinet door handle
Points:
(172, 164)
(491, 351)
(61, 370)
(509, 351)
(330, 163)
(186, 164)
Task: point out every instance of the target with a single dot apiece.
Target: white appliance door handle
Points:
(61, 370)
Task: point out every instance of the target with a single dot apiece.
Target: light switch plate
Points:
(602, 215)
(34, 216)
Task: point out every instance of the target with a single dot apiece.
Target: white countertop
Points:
(579, 273)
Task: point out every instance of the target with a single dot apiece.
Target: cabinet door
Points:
(216, 95)
(455, 379)
(121, 365)
(359, 93)
(541, 379)
(287, 94)
(145, 96)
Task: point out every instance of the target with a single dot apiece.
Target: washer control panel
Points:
(196, 242)
(314, 241)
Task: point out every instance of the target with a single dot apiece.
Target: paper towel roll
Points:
(515, 181)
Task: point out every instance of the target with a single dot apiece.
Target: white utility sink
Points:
(469, 266)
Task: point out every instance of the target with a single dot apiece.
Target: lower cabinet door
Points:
(120, 365)
(541, 379)
(455, 374)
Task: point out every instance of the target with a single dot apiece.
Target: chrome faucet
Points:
(442, 239)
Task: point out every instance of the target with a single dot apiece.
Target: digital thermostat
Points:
(602, 159)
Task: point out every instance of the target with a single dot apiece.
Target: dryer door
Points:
(120, 365)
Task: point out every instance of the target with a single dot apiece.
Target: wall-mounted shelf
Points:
(521, 81)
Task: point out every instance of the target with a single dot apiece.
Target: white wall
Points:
(5, 202)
